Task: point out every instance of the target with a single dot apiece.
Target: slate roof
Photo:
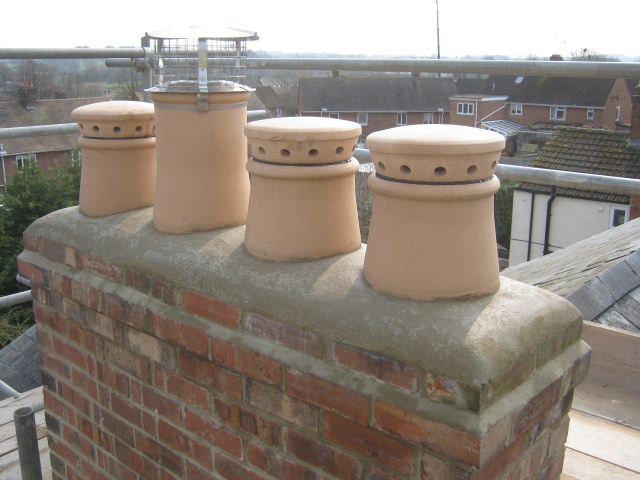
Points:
(599, 275)
(584, 150)
(375, 94)
(565, 91)
(48, 112)
(268, 96)
(20, 363)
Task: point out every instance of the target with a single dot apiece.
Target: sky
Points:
(512, 28)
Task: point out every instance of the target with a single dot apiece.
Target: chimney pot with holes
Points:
(303, 202)
(432, 233)
(118, 157)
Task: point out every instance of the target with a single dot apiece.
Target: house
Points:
(270, 100)
(377, 103)
(547, 218)
(47, 151)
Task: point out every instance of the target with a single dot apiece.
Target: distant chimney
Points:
(27, 95)
(634, 139)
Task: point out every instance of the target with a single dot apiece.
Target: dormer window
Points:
(519, 80)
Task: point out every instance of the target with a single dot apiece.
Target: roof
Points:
(584, 150)
(375, 94)
(599, 275)
(48, 112)
(503, 127)
(566, 91)
(268, 96)
(20, 363)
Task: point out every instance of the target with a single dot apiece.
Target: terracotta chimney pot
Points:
(118, 157)
(432, 233)
(303, 202)
(202, 181)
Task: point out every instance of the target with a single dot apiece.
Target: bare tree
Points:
(41, 76)
(587, 55)
(129, 82)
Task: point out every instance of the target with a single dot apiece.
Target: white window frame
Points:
(22, 159)
(362, 118)
(401, 118)
(518, 80)
(465, 108)
(429, 118)
(516, 109)
(278, 112)
(591, 113)
(558, 113)
(612, 215)
(618, 110)
(334, 115)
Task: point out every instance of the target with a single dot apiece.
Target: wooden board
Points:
(10, 464)
(578, 466)
(610, 442)
(615, 356)
(609, 403)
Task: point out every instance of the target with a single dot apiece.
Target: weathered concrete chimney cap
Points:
(302, 140)
(115, 120)
(435, 153)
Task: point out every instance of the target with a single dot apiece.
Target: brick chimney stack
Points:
(634, 139)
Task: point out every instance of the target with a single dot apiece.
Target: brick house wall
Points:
(45, 160)
(180, 356)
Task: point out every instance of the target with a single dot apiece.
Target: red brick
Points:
(241, 418)
(50, 319)
(192, 339)
(179, 440)
(327, 395)
(322, 455)
(276, 465)
(150, 347)
(220, 312)
(244, 361)
(86, 295)
(502, 462)
(58, 252)
(287, 335)
(234, 471)
(190, 393)
(31, 243)
(117, 427)
(37, 275)
(369, 442)
(211, 375)
(206, 429)
(137, 280)
(536, 407)
(160, 454)
(70, 353)
(126, 409)
(165, 292)
(85, 383)
(44, 338)
(379, 474)
(112, 272)
(91, 472)
(61, 284)
(160, 405)
(534, 458)
(378, 366)
(456, 444)
(116, 380)
(559, 437)
(434, 468)
(128, 362)
(195, 473)
(103, 325)
(276, 402)
(120, 309)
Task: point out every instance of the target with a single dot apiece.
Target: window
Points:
(401, 118)
(617, 114)
(516, 109)
(23, 160)
(429, 118)
(519, 80)
(363, 118)
(619, 215)
(465, 108)
(590, 113)
(334, 115)
(558, 113)
(278, 112)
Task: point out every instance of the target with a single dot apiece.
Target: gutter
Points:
(547, 228)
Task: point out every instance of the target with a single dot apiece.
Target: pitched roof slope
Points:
(48, 112)
(584, 150)
(20, 363)
(375, 94)
(566, 91)
(599, 275)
